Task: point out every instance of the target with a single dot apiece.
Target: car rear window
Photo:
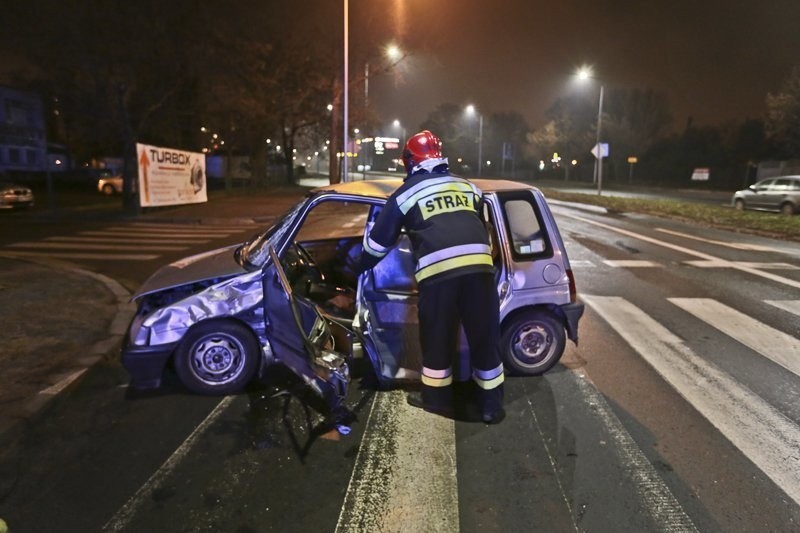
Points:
(527, 237)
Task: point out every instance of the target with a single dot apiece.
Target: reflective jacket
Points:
(443, 216)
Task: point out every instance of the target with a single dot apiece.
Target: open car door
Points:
(300, 337)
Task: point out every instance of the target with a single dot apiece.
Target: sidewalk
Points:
(60, 319)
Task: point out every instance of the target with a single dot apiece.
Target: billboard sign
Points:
(168, 176)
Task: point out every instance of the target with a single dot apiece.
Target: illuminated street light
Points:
(584, 74)
(471, 110)
(398, 125)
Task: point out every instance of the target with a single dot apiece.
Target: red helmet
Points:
(419, 147)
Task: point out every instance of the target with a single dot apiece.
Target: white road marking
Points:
(630, 263)
(199, 227)
(53, 390)
(658, 500)
(721, 263)
(768, 438)
(123, 516)
(581, 264)
(688, 251)
(766, 340)
(792, 306)
(394, 461)
(735, 245)
(71, 255)
(92, 246)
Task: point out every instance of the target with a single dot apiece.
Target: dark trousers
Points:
(470, 300)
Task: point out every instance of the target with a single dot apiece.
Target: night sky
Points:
(715, 59)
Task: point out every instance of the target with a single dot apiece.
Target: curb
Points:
(101, 349)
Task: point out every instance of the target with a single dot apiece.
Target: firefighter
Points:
(443, 217)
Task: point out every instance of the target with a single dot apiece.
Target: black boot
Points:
(438, 400)
(491, 404)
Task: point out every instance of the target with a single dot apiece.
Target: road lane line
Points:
(401, 481)
(744, 264)
(662, 506)
(773, 344)
(792, 306)
(143, 234)
(735, 245)
(765, 436)
(630, 263)
(688, 251)
(170, 231)
(124, 515)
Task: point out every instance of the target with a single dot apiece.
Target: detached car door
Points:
(300, 336)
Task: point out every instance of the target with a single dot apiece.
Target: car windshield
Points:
(255, 252)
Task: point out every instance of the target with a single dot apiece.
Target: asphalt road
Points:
(678, 411)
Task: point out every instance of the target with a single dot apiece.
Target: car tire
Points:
(217, 357)
(739, 204)
(787, 209)
(532, 341)
(108, 190)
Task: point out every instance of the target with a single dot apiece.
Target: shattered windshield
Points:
(255, 252)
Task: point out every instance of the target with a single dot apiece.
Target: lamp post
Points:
(586, 73)
(346, 75)
(397, 124)
(472, 111)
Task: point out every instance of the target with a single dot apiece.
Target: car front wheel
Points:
(739, 204)
(532, 341)
(217, 357)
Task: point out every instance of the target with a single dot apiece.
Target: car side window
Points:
(526, 235)
(781, 185)
(764, 185)
(334, 219)
(794, 185)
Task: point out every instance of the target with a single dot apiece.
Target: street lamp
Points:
(397, 124)
(472, 111)
(585, 73)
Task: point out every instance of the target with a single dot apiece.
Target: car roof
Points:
(385, 187)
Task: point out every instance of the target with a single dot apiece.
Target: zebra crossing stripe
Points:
(384, 491)
(143, 234)
(768, 438)
(125, 240)
(735, 245)
(170, 231)
(766, 340)
(792, 306)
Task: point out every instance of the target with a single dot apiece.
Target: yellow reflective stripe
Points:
(437, 382)
(489, 384)
(433, 190)
(455, 262)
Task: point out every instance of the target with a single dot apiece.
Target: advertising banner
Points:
(168, 176)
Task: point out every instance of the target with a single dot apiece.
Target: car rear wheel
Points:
(739, 204)
(532, 341)
(217, 357)
(787, 209)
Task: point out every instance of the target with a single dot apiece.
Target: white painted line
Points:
(657, 499)
(631, 263)
(773, 344)
(768, 438)
(61, 255)
(125, 240)
(233, 227)
(63, 384)
(581, 264)
(735, 245)
(91, 246)
(721, 263)
(688, 251)
(792, 306)
(395, 460)
(123, 516)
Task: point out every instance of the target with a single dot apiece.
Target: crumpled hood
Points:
(219, 263)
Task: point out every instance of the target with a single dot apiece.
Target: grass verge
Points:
(755, 222)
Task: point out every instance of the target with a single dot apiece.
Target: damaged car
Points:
(292, 295)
